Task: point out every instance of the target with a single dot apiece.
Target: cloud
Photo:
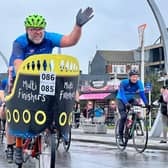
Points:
(113, 27)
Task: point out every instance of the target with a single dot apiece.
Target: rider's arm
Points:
(121, 93)
(2, 97)
(17, 64)
(72, 38)
(17, 56)
(142, 92)
(82, 18)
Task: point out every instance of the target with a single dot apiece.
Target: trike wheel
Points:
(48, 151)
(67, 140)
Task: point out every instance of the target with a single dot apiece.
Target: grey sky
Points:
(114, 26)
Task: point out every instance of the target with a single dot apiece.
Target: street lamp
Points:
(141, 30)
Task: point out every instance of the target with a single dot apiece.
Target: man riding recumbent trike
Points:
(39, 109)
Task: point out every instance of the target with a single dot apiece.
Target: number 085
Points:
(47, 88)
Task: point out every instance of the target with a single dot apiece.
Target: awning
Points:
(93, 96)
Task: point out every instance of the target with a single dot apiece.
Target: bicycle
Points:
(39, 109)
(136, 128)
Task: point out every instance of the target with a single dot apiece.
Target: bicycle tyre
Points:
(67, 142)
(140, 135)
(48, 151)
(53, 150)
(125, 139)
(20, 165)
(57, 139)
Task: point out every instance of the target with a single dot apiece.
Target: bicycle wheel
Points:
(67, 140)
(57, 140)
(48, 151)
(140, 135)
(117, 137)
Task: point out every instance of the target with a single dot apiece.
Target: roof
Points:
(117, 56)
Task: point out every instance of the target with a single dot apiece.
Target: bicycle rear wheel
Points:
(140, 136)
(48, 151)
(117, 137)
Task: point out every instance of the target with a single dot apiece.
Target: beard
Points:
(36, 40)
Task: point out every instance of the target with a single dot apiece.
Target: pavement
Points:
(78, 134)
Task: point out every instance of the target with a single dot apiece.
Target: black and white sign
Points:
(47, 83)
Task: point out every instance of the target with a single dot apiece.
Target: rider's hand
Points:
(84, 17)
(128, 106)
(148, 108)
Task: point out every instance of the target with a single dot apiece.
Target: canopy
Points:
(93, 96)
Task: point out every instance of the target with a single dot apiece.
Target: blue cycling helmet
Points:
(133, 72)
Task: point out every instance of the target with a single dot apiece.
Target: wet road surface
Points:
(91, 155)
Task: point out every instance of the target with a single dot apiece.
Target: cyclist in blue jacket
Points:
(38, 41)
(126, 96)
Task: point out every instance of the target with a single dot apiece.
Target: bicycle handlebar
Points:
(133, 106)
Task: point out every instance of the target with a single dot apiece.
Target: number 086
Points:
(48, 77)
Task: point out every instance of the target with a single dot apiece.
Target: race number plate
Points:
(47, 83)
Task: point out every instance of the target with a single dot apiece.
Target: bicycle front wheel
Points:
(140, 136)
(48, 151)
(117, 137)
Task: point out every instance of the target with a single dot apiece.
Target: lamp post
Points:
(162, 28)
(156, 128)
(141, 30)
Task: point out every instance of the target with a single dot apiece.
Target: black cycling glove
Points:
(128, 106)
(84, 17)
(148, 108)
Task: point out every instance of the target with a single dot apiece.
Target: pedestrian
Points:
(163, 100)
(76, 114)
(88, 111)
(36, 40)
(110, 114)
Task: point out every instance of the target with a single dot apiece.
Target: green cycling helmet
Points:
(35, 21)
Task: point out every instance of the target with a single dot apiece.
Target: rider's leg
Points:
(123, 117)
(10, 145)
(2, 112)
(18, 151)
